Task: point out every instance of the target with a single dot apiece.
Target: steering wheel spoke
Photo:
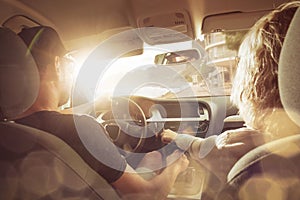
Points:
(126, 124)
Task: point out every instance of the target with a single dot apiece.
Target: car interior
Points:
(164, 64)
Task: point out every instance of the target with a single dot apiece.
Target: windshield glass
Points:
(211, 75)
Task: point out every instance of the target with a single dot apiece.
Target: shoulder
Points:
(82, 120)
(85, 120)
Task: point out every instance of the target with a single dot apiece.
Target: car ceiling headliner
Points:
(77, 18)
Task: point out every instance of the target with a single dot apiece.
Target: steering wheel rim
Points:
(119, 118)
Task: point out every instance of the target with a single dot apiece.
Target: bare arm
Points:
(133, 186)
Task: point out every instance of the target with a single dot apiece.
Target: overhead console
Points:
(176, 26)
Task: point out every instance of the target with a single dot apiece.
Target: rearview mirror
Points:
(177, 57)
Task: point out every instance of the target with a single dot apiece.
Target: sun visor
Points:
(231, 21)
(124, 37)
(166, 27)
(119, 38)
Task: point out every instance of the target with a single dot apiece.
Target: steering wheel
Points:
(125, 123)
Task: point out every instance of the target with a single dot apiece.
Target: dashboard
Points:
(200, 117)
(188, 116)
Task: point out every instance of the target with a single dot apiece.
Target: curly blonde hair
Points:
(255, 87)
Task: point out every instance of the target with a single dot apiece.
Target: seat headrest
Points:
(289, 70)
(19, 77)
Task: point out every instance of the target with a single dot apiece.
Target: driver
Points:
(55, 70)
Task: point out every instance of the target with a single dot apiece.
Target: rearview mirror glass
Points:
(177, 57)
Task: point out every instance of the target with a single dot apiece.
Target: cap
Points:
(44, 43)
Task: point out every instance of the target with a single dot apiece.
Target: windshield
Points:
(211, 75)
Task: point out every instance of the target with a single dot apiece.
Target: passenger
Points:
(55, 71)
(256, 94)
